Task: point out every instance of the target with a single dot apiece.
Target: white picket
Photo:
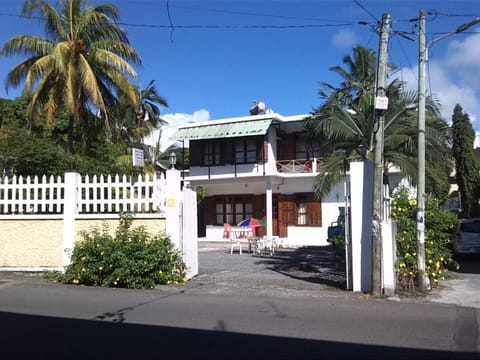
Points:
(95, 194)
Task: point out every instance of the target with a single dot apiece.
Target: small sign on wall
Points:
(137, 158)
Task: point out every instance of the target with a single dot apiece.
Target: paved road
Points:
(284, 307)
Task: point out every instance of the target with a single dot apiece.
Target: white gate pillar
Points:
(389, 251)
(173, 208)
(70, 211)
(190, 231)
(361, 211)
(181, 219)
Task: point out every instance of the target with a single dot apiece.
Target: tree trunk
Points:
(71, 123)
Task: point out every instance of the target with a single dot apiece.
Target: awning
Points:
(226, 130)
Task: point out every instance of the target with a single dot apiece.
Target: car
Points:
(467, 237)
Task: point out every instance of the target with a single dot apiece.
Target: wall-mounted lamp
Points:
(172, 158)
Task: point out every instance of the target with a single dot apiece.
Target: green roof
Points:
(225, 130)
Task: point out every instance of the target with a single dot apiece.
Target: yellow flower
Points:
(76, 281)
(430, 261)
(114, 283)
(84, 270)
(84, 258)
(102, 253)
(100, 268)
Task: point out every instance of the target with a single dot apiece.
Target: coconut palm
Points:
(131, 124)
(358, 78)
(345, 126)
(82, 65)
(149, 108)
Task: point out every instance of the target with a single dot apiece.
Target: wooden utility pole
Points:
(381, 105)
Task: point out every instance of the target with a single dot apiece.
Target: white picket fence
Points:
(95, 194)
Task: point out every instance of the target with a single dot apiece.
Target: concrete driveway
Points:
(463, 288)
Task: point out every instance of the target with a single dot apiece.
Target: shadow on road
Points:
(316, 264)
(38, 337)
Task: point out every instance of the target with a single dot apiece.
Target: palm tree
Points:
(83, 65)
(149, 108)
(346, 123)
(358, 78)
(131, 124)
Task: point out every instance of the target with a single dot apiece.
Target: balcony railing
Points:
(298, 166)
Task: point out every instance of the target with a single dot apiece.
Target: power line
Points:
(200, 26)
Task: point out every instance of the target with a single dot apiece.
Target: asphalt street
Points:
(288, 306)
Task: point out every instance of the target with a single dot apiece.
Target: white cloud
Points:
(454, 79)
(345, 39)
(464, 58)
(174, 121)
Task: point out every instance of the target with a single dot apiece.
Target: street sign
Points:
(137, 158)
(381, 103)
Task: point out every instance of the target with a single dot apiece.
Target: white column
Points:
(269, 200)
(190, 231)
(70, 211)
(361, 195)
(389, 250)
(172, 210)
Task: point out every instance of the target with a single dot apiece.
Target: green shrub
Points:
(439, 227)
(132, 259)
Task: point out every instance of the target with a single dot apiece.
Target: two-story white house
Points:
(260, 166)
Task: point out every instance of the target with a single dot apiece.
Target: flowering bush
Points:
(439, 227)
(132, 259)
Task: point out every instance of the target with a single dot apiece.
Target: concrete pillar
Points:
(70, 211)
(389, 251)
(190, 231)
(173, 208)
(361, 195)
(269, 200)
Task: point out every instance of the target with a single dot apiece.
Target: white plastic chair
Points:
(229, 234)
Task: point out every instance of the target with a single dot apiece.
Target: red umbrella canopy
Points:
(252, 222)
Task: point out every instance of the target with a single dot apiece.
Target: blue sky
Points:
(211, 59)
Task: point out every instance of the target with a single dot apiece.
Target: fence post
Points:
(70, 211)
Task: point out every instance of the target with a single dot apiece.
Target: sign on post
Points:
(137, 158)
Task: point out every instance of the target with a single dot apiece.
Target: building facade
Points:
(260, 166)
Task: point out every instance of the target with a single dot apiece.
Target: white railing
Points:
(96, 194)
(299, 165)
